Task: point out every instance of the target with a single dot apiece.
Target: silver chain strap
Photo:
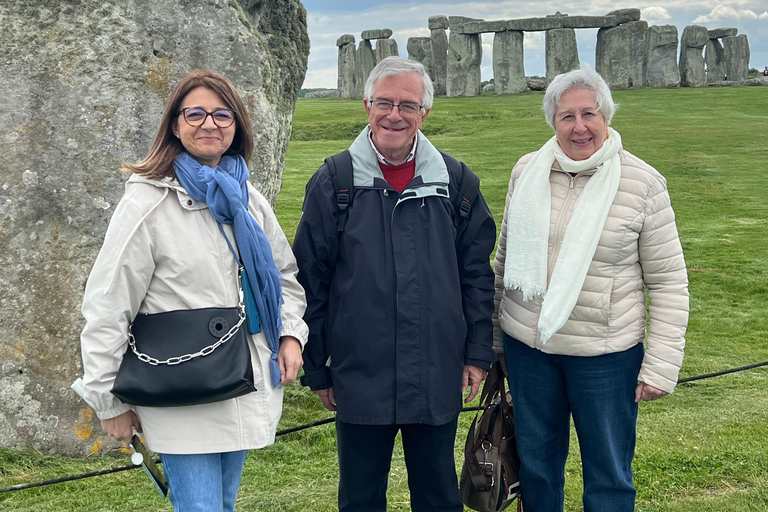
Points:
(203, 352)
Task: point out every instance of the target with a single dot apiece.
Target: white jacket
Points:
(638, 250)
(163, 251)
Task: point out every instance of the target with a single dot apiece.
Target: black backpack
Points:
(340, 167)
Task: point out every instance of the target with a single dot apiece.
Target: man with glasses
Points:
(400, 298)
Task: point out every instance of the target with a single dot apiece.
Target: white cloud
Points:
(722, 12)
(654, 14)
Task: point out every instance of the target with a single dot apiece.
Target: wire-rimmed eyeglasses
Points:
(385, 107)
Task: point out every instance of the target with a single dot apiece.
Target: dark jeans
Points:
(365, 456)
(599, 392)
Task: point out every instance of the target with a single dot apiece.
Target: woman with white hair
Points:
(588, 231)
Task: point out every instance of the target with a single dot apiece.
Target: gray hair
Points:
(398, 66)
(584, 78)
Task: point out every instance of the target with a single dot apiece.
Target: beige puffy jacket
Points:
(638, 250)
(163, 251)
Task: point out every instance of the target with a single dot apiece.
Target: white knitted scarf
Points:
(528, 221)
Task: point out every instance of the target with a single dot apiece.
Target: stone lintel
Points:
(590, 21)
(380, 33)
(478, 27)
(535, 24)
(625, 15)
(345, 39)
(437, 22)
(722, 32)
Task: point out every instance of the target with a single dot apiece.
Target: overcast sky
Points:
(328, 19)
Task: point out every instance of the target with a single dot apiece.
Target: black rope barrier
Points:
(299, 428)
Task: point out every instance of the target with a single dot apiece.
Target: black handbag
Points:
(489, 478)
(186, 357)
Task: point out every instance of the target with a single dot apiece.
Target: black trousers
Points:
(365, 457)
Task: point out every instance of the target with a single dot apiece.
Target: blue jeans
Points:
(599, 392)
(205, 482)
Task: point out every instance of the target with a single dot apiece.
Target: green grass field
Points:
(704, 448)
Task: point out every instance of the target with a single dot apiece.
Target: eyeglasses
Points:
(222, 117)
(385, 107)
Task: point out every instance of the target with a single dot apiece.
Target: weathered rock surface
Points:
(366, 61)
(333, 93)
(722, 32)
(590, 21)
(714, 56)
(736, 57)
(612, 56)
(662, 70)
(508, 63)
(454, 22)
(478, 27)
(638, 51)
(420, 49)
(463, 70)
(382, 33)
(385, 48)
(438, 22)
(562, 54)
(625, 15)
(692, 42)
(536, 84)
(534, 24)
(346, 82)
(87, 81)
(488, 87)
(439, 58)
(345, 39)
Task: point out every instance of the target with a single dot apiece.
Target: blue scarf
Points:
(223, 188)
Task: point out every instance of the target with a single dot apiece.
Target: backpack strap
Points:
(340, 167)
(468, 190)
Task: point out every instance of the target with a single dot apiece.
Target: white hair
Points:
(584, 78)
(398, 66)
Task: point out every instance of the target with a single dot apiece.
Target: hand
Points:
(328, 397)
(472, 378)
(121, 427)
(289, 359)
(648, 393)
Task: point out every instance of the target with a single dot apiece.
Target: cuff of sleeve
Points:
(479, 353)
(483, 365)
(114, 412)
(301, 336)
(318, 379)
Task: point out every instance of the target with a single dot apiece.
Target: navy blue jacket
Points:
(396, 304)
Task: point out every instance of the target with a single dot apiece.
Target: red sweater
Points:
(399, 176)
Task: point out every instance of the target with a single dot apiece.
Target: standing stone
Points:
(366, 59)
(562, 54)
(612, 60)
(662, 70)
(385, 48)
(692, 42)
(463, 70)
(508, 63)
(87, 82)
(736, 57)
(715, 59)
(420, 50)
(638, 51)
(437, 26)
(347, 66)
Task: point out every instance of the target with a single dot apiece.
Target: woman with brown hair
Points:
(188, 223)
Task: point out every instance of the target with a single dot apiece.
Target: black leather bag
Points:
(489, 478)
(186, 357)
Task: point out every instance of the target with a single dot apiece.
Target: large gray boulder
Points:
(87, 82)
(463, 70)
(380, 33)
(479, 27)
(722, 32)
(535, 24)
(438, 22)
(714, 56)
(625, 15)
(347, 67)
(612, 56)
(692, 42)
(562, 54)
(366, 61)
(508, 63)
(638, 51)
(439, 52)
(590, 21)
(385, 48)
(420, 50)
(662, 70)
(736, 57)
